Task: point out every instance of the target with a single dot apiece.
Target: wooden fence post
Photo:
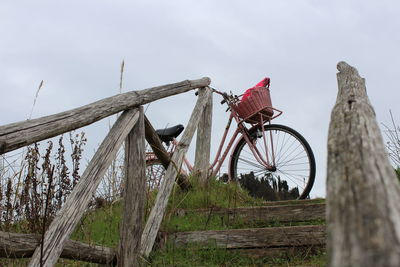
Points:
(133, 196)
(363, 193)
(203, 142)
(70, 214)
(157, 213)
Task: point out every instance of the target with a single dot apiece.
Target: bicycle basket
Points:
(258, 103)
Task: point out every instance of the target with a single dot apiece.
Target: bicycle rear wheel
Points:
(155, 173)
(294, 169)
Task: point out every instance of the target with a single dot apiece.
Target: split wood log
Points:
(16, 135)
(76, 204)
(157, 213)
(203, 143)
(284, 252)
(134, 196)
(161, 153)
(13, 245)
(265, 214)
(363, 193)
(294, 236)
(293, 202)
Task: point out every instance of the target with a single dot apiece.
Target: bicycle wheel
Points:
(293, 173)
(155, 173)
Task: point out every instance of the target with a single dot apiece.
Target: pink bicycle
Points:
(271, 161)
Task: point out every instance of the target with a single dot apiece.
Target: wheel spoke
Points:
(155, 173)
(291, 157)
(252, 163)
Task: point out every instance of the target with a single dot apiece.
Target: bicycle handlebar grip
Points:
(223, 101)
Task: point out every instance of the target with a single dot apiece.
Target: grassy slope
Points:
(101, 227)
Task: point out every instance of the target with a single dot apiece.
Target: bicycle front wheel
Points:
(290, 156)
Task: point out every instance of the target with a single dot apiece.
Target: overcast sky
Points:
(76, 47)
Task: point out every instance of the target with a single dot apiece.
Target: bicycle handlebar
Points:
(228, 99)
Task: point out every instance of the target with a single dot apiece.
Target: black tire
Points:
(294, 161)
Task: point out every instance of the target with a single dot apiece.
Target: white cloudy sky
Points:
(76, 47)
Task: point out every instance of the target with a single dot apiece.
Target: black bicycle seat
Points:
(168, 134)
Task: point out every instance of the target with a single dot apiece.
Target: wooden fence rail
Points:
(265, 214)
(16, 135)
(363, 193)
(255, 238)
(14, 245)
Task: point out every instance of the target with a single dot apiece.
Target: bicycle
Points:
(272, 161)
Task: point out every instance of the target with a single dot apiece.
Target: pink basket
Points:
(258, 103)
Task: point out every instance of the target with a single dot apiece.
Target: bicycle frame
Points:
(241, 129)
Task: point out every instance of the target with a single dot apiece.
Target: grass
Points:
(213, 256)
(215, 194)
(193, 221)
(101, 227)
(192, 256)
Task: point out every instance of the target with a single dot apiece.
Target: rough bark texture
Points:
(134, 196)
(70, 214)
(157, 213)
(162, 155)
(16, 135)
(203, 143)
(13, 245)
(265, 214)
(312, 235)
(363, 193)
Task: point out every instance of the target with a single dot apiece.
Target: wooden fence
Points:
(363, 193)
(132, 128)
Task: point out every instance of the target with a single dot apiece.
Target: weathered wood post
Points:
(363, 193)
(70, 214)
(157, 213)
(133, 195)
(203, 142)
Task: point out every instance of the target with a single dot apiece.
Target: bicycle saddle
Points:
(168, 134)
